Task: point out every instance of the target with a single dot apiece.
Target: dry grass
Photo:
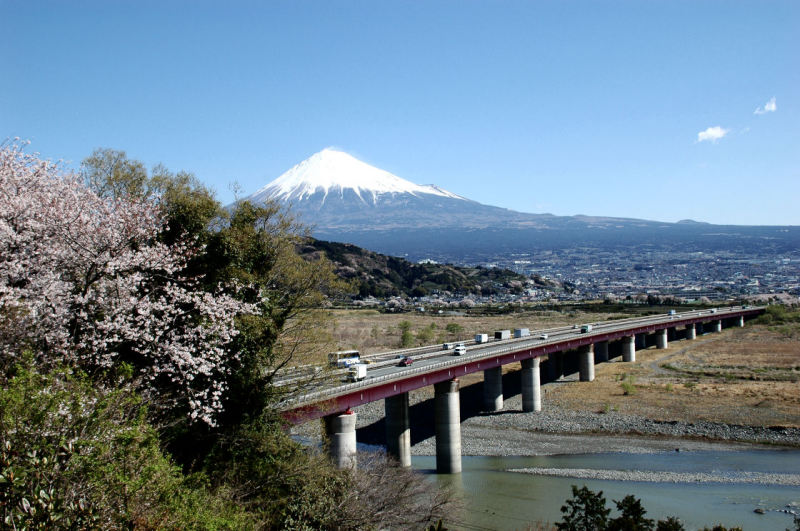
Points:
(371, 331)
(742, 376)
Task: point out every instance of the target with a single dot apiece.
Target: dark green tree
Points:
(670, 524)
(585, 511)
(631, 517)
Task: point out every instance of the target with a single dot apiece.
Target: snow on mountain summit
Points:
(332, 172)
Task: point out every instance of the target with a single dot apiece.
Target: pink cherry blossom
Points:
(84, 280)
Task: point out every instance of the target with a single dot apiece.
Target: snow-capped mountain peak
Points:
(332, 172)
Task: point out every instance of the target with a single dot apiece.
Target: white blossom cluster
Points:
(83, 279)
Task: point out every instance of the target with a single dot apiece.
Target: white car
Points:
(542, 336)
(460, 350)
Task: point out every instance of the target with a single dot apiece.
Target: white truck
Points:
(586, 328)
(357, 372)
(502, 334)
(522, 332)
(481, 338)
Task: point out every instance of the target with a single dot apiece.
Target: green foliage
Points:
(628, 385)
(585, 511)
(78, 456)
(426, 335)
(28, 496)
(670, 524)
(631, 517)
(454, 328)
(406, 339)
(778, 314)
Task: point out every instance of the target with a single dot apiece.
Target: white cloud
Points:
(770, 106)
(712, 134)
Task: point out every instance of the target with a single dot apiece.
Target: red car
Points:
(405, 362)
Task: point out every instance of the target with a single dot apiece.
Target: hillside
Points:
(381, 276)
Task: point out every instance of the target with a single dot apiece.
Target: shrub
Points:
(78, 456)
(628, 386)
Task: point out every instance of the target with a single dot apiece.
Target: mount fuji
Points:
(334, 191)
(346, 200)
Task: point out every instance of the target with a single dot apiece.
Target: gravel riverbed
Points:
(556, 430)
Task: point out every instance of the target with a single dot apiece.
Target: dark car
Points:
(405, 362)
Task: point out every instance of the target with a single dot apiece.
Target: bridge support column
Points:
(448, 427)
(553, 373)
(586, 363)
(740, 321)
(493, 389)
(691, 333)
(672, 334)
(601, 351)
(717, 326)
(628, 349)
(641, 341)
(661, 338)
(342, 439)
(398, 428)
(531, 386)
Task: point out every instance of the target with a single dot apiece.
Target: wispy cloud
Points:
(770, 106)
(712, 134)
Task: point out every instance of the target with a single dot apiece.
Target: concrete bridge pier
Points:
(531, 385)
(601, 351)
(716, 326)
(554, 367)
(398, 428)
(661, 338)
(447, 423)
(341, 432)
(690, 331)
(493, 389)
(628, 349)
(641, 341)
(740, 321)
(586, 363)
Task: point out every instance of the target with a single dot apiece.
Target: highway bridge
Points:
(558, 350)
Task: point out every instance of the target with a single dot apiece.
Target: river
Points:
(498, 499)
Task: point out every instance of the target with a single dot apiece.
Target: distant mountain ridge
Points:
(346, 200)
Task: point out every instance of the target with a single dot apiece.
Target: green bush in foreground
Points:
(78, 456)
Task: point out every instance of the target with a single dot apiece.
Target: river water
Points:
(501, 500)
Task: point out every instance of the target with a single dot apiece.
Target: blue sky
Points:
(643, 109)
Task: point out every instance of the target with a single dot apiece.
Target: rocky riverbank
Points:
(556, 430)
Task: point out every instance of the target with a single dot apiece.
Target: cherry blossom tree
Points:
(85, 281)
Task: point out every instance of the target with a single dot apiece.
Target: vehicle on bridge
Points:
(481, 338)
(357, 372)
(502, 334)
(344, 358)
(460, 350)
(405, 361)
(586, 328)
(543, 336)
